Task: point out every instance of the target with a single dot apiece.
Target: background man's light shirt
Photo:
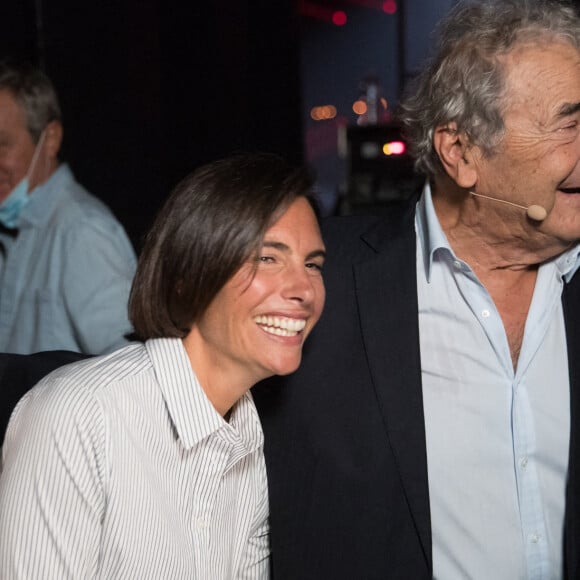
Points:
(65, 277)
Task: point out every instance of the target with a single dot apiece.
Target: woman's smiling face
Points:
(257, 323)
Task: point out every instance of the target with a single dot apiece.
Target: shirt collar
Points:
(432, 238)
(44, 198)
(568, 263)
(192, 413)
(429, 230)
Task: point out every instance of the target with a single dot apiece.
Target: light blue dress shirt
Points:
(65, 278)
(497, 438)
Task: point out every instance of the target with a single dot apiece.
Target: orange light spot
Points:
(359, 107)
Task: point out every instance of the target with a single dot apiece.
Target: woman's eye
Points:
(267, 259)
(314, 266)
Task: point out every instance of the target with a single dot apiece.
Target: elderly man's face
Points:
(538, 161)
(16, 144)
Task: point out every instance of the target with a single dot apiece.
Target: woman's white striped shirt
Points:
(120, 467)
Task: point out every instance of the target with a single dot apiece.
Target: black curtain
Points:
(150, 89)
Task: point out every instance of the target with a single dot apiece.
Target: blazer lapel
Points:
(571, 304)
(387, 298)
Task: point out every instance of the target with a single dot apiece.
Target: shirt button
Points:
(535, 538)
(201, 524)
(524, 462)
(485, 313)
(457, 264)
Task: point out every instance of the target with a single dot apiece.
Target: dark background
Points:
(150, 90)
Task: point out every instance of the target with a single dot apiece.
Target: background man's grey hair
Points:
(34, 92)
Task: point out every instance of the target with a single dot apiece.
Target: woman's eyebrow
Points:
(276, 245)
(282, 247)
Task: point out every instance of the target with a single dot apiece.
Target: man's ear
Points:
(456, 155)
(53, 139)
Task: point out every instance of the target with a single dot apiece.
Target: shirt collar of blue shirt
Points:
(44, 197)
(433, 239)
(429, 231)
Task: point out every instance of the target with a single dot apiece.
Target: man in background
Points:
(66, 264)
(432, 428)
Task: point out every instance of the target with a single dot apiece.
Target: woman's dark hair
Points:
(213, 222)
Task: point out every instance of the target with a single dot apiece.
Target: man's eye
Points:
(267, 259)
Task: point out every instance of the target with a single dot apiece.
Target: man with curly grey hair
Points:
(432, 429)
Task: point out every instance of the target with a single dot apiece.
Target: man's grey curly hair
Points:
(464, 82)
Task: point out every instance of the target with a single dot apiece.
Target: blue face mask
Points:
(12, 206)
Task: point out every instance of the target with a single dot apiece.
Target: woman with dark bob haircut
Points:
(148, 462)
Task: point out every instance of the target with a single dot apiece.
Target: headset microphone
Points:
(534, 212)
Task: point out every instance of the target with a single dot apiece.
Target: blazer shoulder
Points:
(355, 236)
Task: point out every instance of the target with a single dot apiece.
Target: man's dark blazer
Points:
(345, 436)
(19, 373)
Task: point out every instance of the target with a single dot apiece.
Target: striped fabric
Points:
(120, 467)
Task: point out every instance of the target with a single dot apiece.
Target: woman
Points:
(148, 463)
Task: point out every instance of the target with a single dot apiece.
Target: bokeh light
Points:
(323, 113)
(339, 18)
(394, 148)
(359, 107)
(389, 6)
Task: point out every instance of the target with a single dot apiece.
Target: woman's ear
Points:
(456, 155)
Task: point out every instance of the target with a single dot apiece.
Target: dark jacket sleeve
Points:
(20, 372)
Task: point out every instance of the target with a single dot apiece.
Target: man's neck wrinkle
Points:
(485, 242)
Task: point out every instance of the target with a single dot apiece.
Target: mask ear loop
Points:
(36, 154)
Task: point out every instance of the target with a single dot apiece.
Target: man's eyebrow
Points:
(568, 109)
(280, 246)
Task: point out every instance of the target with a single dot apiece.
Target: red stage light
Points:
(389, 6)
(339, 18)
